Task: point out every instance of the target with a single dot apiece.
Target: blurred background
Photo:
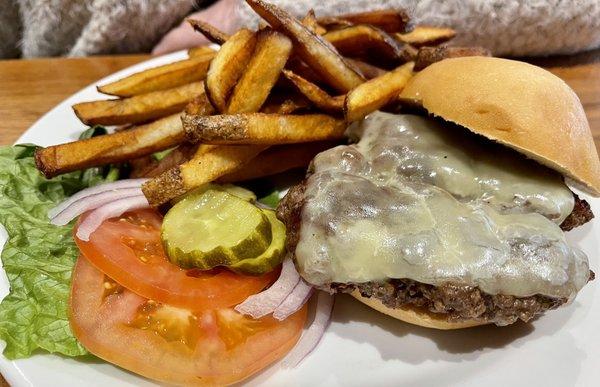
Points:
(75, 28)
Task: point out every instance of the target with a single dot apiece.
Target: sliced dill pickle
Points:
(214, 228)
(238, 191)
(272, 256)
(235, 190)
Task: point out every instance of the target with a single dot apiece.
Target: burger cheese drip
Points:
(430, 202)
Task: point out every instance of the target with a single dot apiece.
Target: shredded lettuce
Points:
(271, 200)
(38, 257)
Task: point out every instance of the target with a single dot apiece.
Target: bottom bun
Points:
(416, 316)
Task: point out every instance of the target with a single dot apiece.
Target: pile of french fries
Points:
(267, 101)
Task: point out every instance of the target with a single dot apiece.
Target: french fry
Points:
(260, 128)
(429, 55)
(212, 33)
(365, 40)
(227, 67)
(368, 70)
(200, 51)
(262, 72)
(376, 92)
(200, 105)
(285, 103)
(111, 148)
(208, 164)
(334, 23)
(426, 36)
(160, 78)
(296, 65)
(315, 51)
(389, 20)
(315, 94)
(138, 109)
(148, 166)
(310, 22)
(277, 159)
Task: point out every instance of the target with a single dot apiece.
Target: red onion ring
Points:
(294, 301)
(311, 337)
(263, 303)
(119, 184)
(107, 211)
(91, 202)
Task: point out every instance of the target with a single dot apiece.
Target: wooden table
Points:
(29, 88)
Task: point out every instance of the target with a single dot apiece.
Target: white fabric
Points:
(34, 28)
(507, 28)
(85, 27)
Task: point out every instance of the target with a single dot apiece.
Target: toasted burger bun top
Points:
(415, 316)
(517, 104)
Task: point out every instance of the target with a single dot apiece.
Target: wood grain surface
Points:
(30, 88)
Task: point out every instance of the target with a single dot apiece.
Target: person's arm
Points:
(222, 14)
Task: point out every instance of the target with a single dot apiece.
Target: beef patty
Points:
(458, 301)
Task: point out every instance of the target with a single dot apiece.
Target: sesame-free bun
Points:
(516, 104)
(415, 316)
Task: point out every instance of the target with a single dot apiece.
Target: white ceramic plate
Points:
(363, 347)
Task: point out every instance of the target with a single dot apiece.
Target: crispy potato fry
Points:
(208, 164)
(148, 166)
(376, 93)
(429, 55)
(315, 51)
(200, 51)
(389, 20)
(138, 109)
(296, 65)
(111, 148)
(262, 72)
(310, 22)
(210, 32)
(426, 36)
(228, 66)
(160, 78)
(368, 41)
(200, 105)
(277, 159)
(315, 94)
(334, 23)
(287, 103)
(260, 128)
(368, 70)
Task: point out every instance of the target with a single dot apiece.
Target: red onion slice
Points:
(294, 301)
(107, 211)
(263, 303)
(311, 337)
(92, 202)
(119, 184)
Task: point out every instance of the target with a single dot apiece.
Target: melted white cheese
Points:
(415, 199)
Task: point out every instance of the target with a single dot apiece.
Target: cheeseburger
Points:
(456, 217)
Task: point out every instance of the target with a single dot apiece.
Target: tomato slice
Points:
(129, 250)
(170, 344)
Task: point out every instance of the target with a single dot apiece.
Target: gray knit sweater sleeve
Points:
(507, 28)
(38, 28)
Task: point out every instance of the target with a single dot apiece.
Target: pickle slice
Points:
(214, 228)
(272, 257)
(235, 190)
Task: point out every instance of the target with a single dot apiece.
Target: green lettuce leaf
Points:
(38, 257)
(271, 200)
